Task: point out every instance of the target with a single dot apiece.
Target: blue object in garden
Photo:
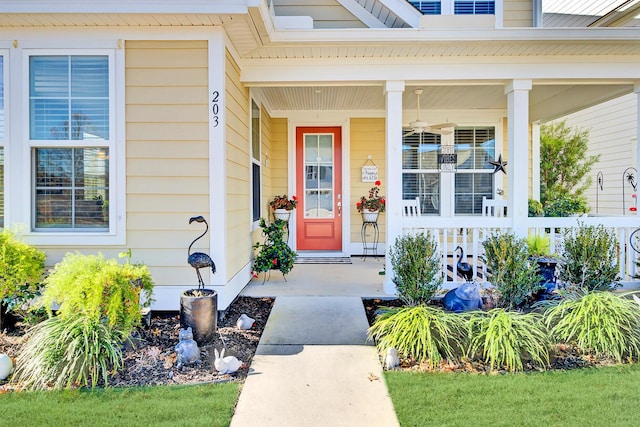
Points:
(465, 297)
(547, 273)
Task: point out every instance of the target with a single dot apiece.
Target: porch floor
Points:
(359, 279)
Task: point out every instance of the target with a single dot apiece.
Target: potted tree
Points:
(199, 306)
(370, 206)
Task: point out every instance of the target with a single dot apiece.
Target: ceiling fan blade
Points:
(409, 133)
(443, 125)
(440, 131)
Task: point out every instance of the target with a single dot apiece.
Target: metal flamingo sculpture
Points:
(200, 260)
(464, 268)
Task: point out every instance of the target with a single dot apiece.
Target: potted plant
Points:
(199, 306)
(539, 251)
(274, 253)
(21, 268)
(370, 206)
(282, 206)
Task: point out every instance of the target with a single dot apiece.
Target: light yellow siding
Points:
(367, 139)
(238, 244)
(167, 152)
(518, 13)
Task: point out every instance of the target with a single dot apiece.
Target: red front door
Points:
(319, 188)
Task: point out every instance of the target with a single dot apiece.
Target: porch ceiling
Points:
(547, 101)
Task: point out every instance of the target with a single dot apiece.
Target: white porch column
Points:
(535, 160)
(393, 91)
(517, 92)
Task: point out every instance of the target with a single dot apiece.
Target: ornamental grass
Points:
(423, 332)
(602, 323)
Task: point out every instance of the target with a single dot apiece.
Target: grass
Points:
(201, 405)
(581, 397)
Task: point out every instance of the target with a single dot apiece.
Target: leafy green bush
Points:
(416, 263)
(21, 269)
(590, 258)
(600, 322)
(66, 352)
(565, 205)
(506, 339)
(274, 253)
(511, 271)
(535, 208)
(99, 289)
(422, 332)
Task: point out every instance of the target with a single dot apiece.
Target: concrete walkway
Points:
(313, 367)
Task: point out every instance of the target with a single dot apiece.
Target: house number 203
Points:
(215, 108)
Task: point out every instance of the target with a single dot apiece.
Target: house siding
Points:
(167, 152)
(612, 136)
(518, 13)
(367, 139)
(238, 192)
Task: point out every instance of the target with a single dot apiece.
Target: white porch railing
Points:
(470, 232)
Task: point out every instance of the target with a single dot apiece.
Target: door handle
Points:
(339, 208)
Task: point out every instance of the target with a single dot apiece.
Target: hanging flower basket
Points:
(370, 216)
(282, 214)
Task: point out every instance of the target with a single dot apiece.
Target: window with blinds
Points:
(459, 7)
(475, 147)
(69, 108)
(420, 174)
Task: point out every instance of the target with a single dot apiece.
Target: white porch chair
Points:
(494, 207)
(411, 208)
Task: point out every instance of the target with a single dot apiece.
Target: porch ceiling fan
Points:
(421, 126)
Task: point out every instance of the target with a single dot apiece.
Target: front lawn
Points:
(586, 397)
(202, 405)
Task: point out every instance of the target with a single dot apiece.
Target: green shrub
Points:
(599, 322)
(422, 332)
(565, 205)
(590, 260)
(274, 253)
(21, 269)
(99, 289)
(416, 264)
(535, 208)
(511, 271)
(507, 339)
(66, 352)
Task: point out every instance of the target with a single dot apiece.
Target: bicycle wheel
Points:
(634, 240)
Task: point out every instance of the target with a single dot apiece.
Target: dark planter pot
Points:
(547, 274)
(199, 310)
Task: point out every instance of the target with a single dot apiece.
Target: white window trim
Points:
(258, 161)
(116, 235)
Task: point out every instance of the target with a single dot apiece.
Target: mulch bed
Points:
(153, 360)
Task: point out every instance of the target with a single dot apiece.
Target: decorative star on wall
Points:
(499, 165)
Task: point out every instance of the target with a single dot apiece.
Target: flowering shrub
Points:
(283, 202)
(374, 202)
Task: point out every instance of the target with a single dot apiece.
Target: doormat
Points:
(323, 260)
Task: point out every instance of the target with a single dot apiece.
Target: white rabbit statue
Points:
(226, 365)
(391, 361)
(245, 322)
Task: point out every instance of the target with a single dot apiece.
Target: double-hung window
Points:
(474, 179)
(71, 139)
(443, 192)
(256, 179)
